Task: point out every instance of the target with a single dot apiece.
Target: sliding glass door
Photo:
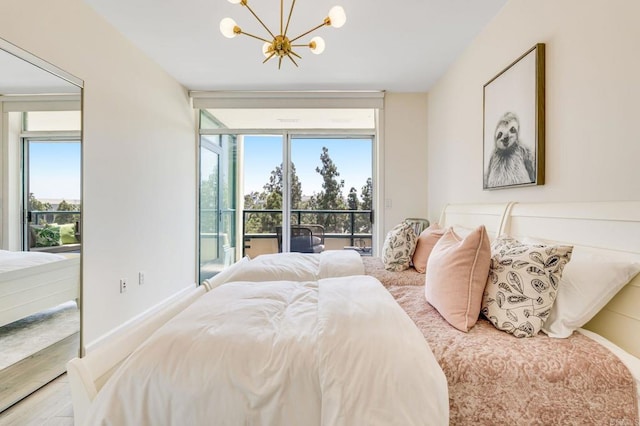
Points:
(304, 189)
(51, 195)
(332, 187)
(217, 203)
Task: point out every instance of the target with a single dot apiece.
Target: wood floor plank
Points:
(50, 405)
(29, 374)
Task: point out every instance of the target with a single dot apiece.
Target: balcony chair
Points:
(304, 238)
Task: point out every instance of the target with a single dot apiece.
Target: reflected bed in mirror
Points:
(41, 221)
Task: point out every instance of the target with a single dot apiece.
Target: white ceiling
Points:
(399, 46)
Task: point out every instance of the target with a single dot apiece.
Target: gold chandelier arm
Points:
(259, 20)
(293, 3)
(281, 14)
(294, 62)
(256, 37)
(279, 62)
(310, 31)
(269, 57)
(295, 54)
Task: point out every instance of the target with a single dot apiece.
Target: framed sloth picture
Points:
(513, 127)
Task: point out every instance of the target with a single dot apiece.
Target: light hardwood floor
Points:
(49, 406)
(23, 377)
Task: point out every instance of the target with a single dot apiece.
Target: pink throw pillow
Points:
(426, 241)
(457, 274)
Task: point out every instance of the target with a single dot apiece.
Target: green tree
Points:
(209, 204)
(366, 195)
(363, 221)
(352, 199)
(330, 198)
(276, 185)
(67, 218)
(271, 199)
(34, 204)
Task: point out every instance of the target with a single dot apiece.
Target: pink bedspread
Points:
(496, 379)
(373, 266)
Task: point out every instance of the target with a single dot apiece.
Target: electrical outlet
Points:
(140, 278)
(123, 285)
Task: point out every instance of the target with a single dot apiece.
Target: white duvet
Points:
(337, 351)
(292, 267)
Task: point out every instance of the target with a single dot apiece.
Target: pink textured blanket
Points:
(497, 379)
(373, 266)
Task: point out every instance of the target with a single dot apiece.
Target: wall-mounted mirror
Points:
(41, 221)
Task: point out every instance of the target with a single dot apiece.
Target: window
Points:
(293, 167)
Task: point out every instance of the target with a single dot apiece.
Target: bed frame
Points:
(610, 226)
(25, 291)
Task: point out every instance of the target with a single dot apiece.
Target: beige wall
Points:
(404, 154)
(139, 159)
(592, 103)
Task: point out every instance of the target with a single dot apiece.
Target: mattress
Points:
(12, 260)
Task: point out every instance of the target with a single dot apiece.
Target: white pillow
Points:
(588, 283)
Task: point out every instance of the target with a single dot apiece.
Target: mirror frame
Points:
(48, 67)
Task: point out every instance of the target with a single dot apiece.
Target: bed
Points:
(600, 388)
(31, 282)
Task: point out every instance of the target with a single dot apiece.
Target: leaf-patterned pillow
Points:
(522, 284)
(47, 236)
(398, 247)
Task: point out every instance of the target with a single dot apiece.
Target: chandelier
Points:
(281, 45)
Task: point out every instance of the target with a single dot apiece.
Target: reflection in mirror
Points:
(41, 222)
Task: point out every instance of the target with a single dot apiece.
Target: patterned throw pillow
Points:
(522, 284)
(47, 236)
(398, 247)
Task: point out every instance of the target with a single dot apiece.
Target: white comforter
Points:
(337, 351)
(292, 267)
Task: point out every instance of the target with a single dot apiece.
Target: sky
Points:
(54, 170)
(55, 167)
(262, 154)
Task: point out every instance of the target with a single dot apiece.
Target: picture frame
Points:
(514, 125)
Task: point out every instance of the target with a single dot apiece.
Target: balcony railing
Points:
(41, 217)
(351, 225)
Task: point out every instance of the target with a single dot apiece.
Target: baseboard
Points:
(124, 327)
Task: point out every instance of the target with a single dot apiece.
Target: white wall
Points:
(405, 153)
(139, 159)
(592, 103)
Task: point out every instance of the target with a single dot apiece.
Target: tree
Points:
(330, 198)
(352, 199)
(276, 185)
(271, 199)
(363, 221)
(36, 205)
(209, 204)
(67, 218)
(366, 195)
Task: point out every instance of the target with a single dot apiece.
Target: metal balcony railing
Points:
(338, 224)
(41, 216)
